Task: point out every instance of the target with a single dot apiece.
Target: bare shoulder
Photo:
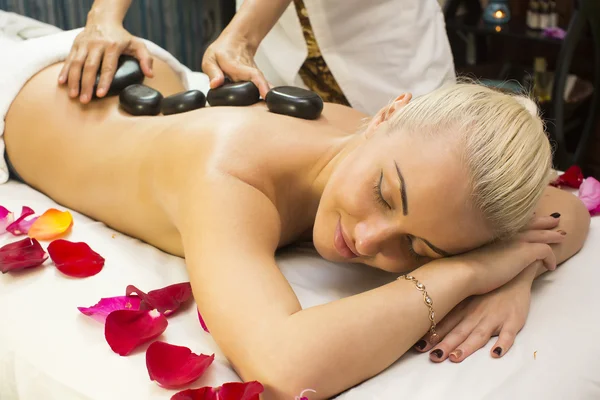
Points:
(342, 117)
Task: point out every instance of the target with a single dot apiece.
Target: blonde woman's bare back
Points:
(130, 172)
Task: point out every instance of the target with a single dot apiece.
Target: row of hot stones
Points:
(136, 98)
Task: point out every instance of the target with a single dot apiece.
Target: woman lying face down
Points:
(444, 186)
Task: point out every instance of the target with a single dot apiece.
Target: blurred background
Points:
(551, 48)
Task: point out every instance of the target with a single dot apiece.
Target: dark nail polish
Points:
(555, 215)
(498, 351)
(421, 344)
(438, 353)
(562, 232)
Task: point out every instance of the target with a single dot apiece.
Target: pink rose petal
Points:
(26, 253)
(77, 260)
(229, 391)
(166, 300)
(202, 323)
(175, 366)
(127, 329)
(589, 193)
(6, 218)
(21, 226)
(105, 306)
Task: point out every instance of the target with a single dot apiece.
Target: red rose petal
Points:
(127, 329)
(204, 393)
(174, 366)
(21, 226)
(105, 306)
(26, 253)
(240, 391)
(6, 218)
(573, 177)
(77, 260)
(229, 391)
(202, 323)
(166, 300)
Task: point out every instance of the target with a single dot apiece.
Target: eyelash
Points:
(411, 249)
(377, 191)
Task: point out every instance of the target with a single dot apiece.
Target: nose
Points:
(371, 235)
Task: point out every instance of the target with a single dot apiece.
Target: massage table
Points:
(50, 351)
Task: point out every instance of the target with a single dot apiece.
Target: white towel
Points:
(19, 61)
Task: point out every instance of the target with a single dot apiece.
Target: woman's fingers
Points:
(90, 70)
(475, 341)
(75, 71)
(442, 329)
(543, 236)
(544, 222)
(505, 340)
(457, 336)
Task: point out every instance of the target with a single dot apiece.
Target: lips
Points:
(341, 244)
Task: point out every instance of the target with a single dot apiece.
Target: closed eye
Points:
(377, 192)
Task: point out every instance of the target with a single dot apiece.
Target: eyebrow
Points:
(402, 190)
(436, 249)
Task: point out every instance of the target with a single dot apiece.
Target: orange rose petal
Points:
(51, 224)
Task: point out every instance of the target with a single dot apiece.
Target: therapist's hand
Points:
(99, 46)
(232, 55)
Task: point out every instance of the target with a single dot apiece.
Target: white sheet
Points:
(49, 351)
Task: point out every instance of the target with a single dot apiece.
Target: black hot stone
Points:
(295, 102)
(183, 102)
(234, 94)
(128, 73)
(140, 100)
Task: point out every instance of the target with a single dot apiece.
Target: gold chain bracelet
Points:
(433, 336)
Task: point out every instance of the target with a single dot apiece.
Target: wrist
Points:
(98, 16)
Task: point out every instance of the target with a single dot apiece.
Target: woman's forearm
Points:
(355, 338)
(108, 11)
(255, 19)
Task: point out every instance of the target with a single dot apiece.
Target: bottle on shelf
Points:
(544, 14)
(553, 14)
(541, 80)
(533, 15)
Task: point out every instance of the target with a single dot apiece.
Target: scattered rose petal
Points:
(105, 306)
(77, 260)
(571, 178)
(26, 253)
(6, 218)
(302, 397)
(20, 226)
(589, 193)
(202, 323)
(166, 300)
(51, 224)
(229, 391)
(127, 329)
(175, 366)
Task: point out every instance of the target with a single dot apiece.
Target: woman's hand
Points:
(501, 312)
(100, 46)
(233, 55)
(471, 324)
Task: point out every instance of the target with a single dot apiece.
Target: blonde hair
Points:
(503, 142)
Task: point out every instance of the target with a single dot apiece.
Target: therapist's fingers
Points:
(64, 72)
(75, 71)
(140, 51)
(211, 68)
(250, 74)
(90, 70)
(107, 72)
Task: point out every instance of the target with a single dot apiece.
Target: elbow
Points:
(285, 373)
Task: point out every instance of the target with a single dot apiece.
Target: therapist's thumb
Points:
(211, 68)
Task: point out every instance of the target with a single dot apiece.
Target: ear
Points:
(385, 113)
